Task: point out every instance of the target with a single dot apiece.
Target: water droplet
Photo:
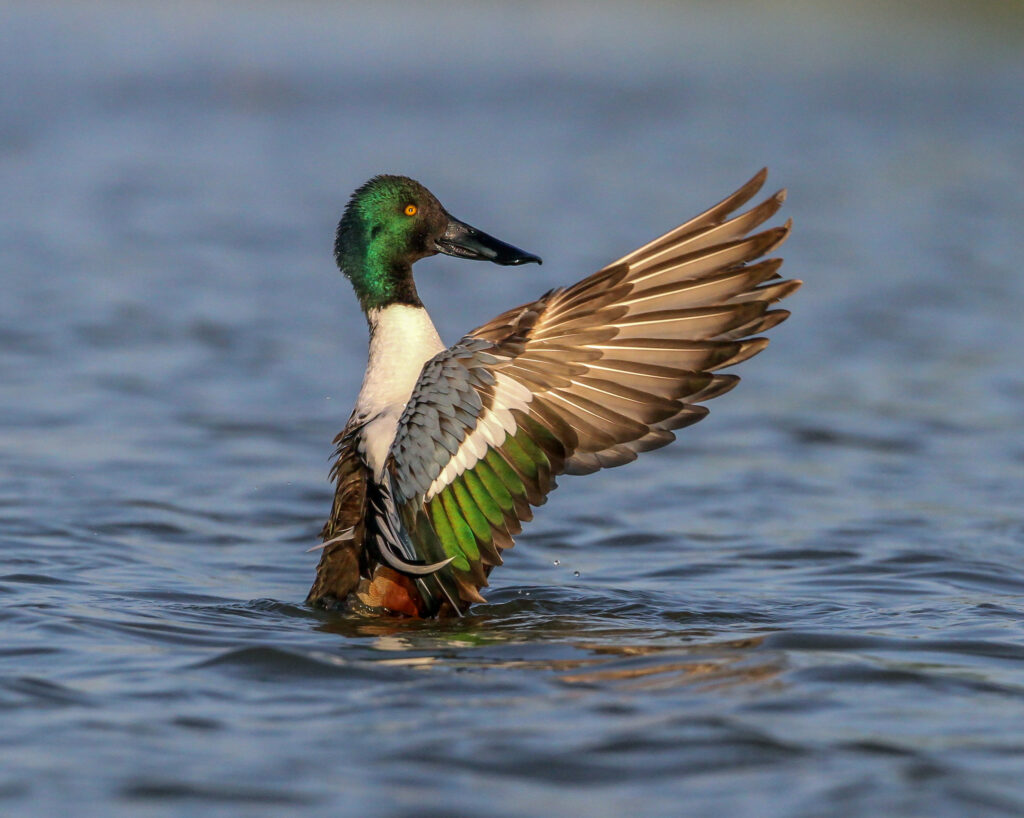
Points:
(555, 562)
(575, 573)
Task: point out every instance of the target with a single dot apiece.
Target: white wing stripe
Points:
(492, 427)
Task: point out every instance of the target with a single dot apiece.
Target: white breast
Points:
(402, 339)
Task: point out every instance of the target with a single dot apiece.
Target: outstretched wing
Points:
(584, 378)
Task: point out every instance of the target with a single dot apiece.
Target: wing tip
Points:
(747, 191)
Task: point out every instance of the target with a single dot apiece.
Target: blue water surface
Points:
(810, 605)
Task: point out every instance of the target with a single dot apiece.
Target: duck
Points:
(450, 448)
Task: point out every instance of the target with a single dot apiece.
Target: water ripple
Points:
(809, 605)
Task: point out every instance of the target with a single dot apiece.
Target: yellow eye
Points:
(411, 210)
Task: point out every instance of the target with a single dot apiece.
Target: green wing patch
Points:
(476, 515)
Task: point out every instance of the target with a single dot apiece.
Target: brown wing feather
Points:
(622, 357)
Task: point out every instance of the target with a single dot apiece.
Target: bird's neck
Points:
(402, 340)
(381, 274)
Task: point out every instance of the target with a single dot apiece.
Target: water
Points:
(811, 605)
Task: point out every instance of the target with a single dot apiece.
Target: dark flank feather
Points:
(338, 572)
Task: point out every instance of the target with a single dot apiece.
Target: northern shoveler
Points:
(448, 448)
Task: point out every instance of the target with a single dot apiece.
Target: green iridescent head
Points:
(391, 222)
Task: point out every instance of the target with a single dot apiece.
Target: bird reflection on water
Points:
(609, 657)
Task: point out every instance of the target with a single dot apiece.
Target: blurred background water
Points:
(810, 605)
